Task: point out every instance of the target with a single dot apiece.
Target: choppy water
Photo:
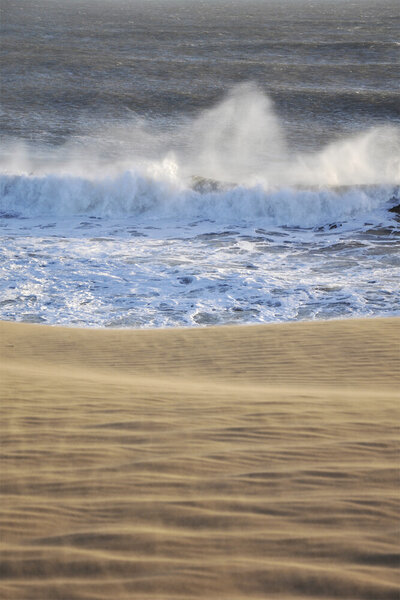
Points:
(185, 163)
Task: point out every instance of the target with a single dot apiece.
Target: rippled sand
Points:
(234, 462)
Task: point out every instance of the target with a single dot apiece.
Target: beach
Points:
(235, 462)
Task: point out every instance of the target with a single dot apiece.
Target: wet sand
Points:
(220, 463)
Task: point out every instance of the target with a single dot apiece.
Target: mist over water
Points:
(223, 163)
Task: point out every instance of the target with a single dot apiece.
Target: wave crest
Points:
(136, 195)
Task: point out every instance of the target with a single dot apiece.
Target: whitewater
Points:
(212, 217)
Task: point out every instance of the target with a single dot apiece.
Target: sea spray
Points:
(240, 141)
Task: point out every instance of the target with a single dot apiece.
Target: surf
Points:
(230, 162)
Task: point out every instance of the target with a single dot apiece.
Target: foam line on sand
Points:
(219, 463)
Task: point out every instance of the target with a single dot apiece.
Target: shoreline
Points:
(212, 326)
(231, 462)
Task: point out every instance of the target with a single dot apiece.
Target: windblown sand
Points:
(222, 463)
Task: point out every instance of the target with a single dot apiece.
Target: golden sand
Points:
(221, 463)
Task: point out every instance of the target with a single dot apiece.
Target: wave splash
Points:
(231, 162)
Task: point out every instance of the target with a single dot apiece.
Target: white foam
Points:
(112, 272)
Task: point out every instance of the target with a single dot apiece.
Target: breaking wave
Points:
(133, 194)
(230, 163)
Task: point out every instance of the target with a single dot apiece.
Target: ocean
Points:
(184, 163)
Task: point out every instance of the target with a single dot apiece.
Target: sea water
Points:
(187, 163)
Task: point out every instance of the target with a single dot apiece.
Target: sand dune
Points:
(221, 463)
